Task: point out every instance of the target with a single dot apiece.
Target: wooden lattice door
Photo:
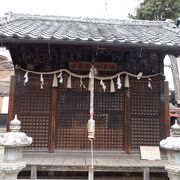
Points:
(73, 114)
(145, 110)
(34, 110)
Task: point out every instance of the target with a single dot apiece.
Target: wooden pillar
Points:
(127, 122)
(52, 130)
(164, 102)
(12, 99)
(146, 174)
(166, 110)
(162, 99)
(91, 173)
(33, 172)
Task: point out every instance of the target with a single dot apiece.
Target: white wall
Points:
(4, 105)
(168, 72)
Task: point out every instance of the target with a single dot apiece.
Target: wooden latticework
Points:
(56, 117)
(145, 109)
(34, 109)
(73, 115)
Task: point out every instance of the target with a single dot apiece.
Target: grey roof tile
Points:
(4, 90)
(50, 28)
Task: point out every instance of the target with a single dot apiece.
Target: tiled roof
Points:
(57, 29)
(4, 88)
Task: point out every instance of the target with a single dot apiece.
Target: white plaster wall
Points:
(5, 104)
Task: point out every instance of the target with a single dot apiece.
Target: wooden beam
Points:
(52, 130)
(127, 123)
(162, 110)
(162, 99)
(166, 110)
(93, 44)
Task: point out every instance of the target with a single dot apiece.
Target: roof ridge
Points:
(14, 16)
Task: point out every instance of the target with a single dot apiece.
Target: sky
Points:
(84, 8)
(115, 9)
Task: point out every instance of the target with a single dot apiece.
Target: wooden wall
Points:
(56, 117)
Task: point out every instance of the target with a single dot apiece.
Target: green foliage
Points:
(157, 10)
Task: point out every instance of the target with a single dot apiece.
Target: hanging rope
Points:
(87, 76)
(91, 78)
(91, 121)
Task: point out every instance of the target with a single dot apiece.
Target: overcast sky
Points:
(85, 8)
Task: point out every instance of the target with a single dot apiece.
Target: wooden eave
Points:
(172, 50)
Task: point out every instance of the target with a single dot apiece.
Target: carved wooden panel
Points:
(73, 115)
(34, 110)
(145, 108)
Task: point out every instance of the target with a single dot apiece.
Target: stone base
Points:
(173, 171)
(10, 170)
(2, 175)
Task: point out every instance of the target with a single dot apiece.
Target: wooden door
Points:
(145, 111)
(73, 115)
(34, 110)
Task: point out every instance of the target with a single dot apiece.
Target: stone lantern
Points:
(13, 143)
(172, 145)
